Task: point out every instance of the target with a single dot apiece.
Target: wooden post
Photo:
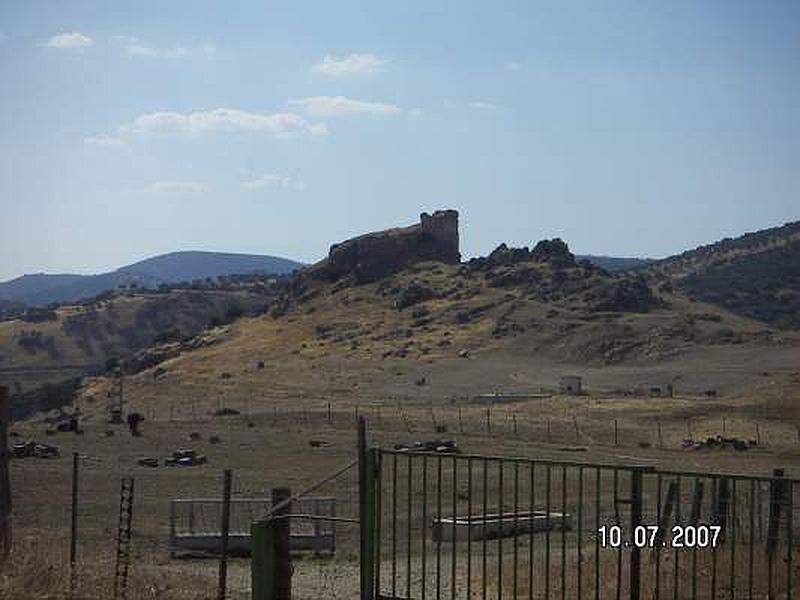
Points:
(660, 439)
(548, 430)
(330, 413)
(225, 528)
(514, 417)
(283, 559)
(5, 482)
(724, 426)
(616, 432)
(73, 535)
(758, 435)
(460, 421)
(689, 428)
(577, 432)
(489, 419)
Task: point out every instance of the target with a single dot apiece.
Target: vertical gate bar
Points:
(483, 527)
(659, 533)
(501, 499)
(676, 555)
(563, 532)
(424, 524)
(73, 537)
(751, 549)
(378, 543)
(440, 527)
(548, 482)
(394, 524)
(469, 524)
(635, 564)
(597, 487)
(579, 541)
(453, 550)
(732, 525)
(789, 536)
(616, 522)
(714, 521)
(697, 500)
(222, 585)
(516, 526)
(532, 508)
(410, 501)
(368, 461)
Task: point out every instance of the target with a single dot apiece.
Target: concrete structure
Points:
(477, 527)
(194, 524)
(570, 384)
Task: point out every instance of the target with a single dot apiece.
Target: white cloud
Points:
(224, 120)
(484, 105)
(349, 65)
(69, 41)
(176, 187)
(335, 106)
(3, 37)
(150, 52)
(104, 141)
(135, 47)
(512, 66)
(269, 180)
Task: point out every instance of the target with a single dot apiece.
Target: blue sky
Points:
(625, 127)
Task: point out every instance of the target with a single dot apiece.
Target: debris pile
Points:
(439, 446)
(720, 442)
(31, 449)
(179, 458)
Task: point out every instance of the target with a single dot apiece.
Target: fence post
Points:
(637, 476)
(73, 534)
(262, 566)
(660, 439)
(282, 531)
(5, 483)
(222, 585)
(270, 569)
(367, 479)
(616, 432)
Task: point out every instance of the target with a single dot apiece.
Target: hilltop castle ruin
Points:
(372, 256)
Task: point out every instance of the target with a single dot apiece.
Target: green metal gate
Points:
(446, 526)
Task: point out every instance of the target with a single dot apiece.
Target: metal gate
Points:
(447, 526)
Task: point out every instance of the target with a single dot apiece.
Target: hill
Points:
(424, 328)
(43, 289)
(51, 345)
(756, 275)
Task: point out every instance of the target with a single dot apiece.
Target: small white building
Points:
(570, 384)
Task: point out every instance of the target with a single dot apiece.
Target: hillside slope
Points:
(756, 275)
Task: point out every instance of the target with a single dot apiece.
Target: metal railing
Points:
(460, 526)
(195, 524)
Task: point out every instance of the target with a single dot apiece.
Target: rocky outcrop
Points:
(374, 256)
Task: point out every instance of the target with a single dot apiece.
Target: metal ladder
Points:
(123, 538)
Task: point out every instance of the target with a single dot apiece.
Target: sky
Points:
(627, 128)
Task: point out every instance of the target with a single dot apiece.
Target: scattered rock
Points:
(32, 449)
(147, 462)
(214, 439)
(438, 446)
(226, 412)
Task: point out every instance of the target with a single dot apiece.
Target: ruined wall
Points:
(375, 255)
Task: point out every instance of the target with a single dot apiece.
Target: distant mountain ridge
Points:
(613, 264)
(41, 289)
